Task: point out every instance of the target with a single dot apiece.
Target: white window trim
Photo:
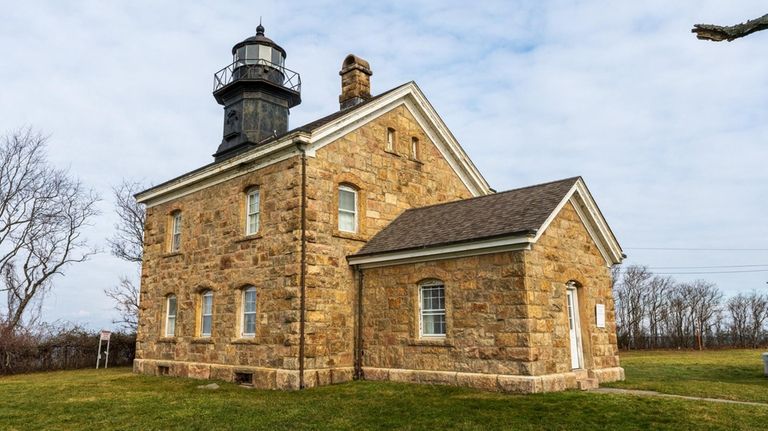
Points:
(354, 212)
(391, 139)
(168, 315)
(434, 312)
(203, 315)
(244, 334)
(415, 148)
(176, 221)
(248, 212)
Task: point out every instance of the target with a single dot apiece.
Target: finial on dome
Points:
(260, 29)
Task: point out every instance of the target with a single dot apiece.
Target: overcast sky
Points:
(669, 132)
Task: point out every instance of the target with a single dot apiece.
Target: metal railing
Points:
(257, 70)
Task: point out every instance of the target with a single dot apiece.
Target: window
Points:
(175, 231)
(206, 314)
(432, 300)
(390, 139)
(347, 209)
(170, 316)
(252, 212)
(415, 148)
(248, 323)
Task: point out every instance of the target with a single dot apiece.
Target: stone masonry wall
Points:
(486, 316)
(566, 252)
(388, 183)
(215, 254)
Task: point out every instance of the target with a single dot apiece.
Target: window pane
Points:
(434, 324)
(347, 221)
(207, 303)
(170, 326)
(171, 305)
(250, 301)
(253, 223)
(206, 325)
(346, 200)
(265, 53)
(253, 202)
(249, 324)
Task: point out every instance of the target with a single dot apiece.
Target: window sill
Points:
(392, 153)
(349, 235)
(245, 340)
(172, 254)
(202, 340)
(168, 340)
(417, 161)
(431, 341)
(250, 237)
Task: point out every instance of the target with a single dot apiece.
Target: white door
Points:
(573, 328)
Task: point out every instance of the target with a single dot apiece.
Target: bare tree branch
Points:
(127, 243)
(126, 297)
(42, 214)
(719, 33)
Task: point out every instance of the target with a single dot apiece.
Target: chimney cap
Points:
(353, 62)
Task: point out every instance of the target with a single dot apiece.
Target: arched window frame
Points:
(171, 310)
(248, 312)
(252, 210)
(175, 225)
(343, 213)
(432, 309)
(206, 313)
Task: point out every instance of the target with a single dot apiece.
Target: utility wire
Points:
(708, 272)
(695, 249)
(707, 267)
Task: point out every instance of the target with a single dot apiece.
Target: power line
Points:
(707, 267)
(708, 272)
(695, 249)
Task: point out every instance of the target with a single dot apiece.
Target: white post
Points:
(106, 360)
(765, 363)
(98, 354)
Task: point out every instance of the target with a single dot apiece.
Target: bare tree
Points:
(656, 305)
(738, 312)
(127, 243)
(43, 212)
(719, 33)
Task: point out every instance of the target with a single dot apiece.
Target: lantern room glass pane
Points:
(265, 53)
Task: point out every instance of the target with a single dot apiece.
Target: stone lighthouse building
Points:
(367, 245)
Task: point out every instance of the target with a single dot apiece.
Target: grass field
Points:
(115, 399)
(729, 374)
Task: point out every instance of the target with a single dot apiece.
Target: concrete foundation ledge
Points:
(260, 377)
(493, 382)
(605, 375)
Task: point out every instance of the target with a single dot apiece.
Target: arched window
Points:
(432, 309)
(415, 148)
(391, 137)
(206, 313)
(175, 242)
(252, 201)
(170, 316)
(347, 209)
(248, 320)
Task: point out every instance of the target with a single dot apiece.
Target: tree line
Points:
(655, 311)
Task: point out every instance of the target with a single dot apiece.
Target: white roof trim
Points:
(452, 251)
(592, 219)
(409, 95)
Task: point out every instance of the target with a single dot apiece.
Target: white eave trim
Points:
(475, 248)
(593, 221)
(409, 95)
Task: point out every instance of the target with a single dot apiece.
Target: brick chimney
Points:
(355, 81)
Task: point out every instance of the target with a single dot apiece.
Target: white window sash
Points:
(252, 214)
(352, 212)
(424, 312)
(207, 297)
(176, 233)
(170, 328)
(244, 331)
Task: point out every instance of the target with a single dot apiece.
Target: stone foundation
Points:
(495, 382)
(262, 378)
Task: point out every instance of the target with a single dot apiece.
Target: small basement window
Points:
(163, 370)
(244, 378)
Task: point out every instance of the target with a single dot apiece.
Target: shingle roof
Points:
(511, 212)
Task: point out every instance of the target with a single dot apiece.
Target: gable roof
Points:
(519, 211)
(515, 218)
(321, 132)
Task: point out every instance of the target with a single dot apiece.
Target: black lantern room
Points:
(257, 92)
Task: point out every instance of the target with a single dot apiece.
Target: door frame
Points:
(573, 304)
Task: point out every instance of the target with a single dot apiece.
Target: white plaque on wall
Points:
(600, 315)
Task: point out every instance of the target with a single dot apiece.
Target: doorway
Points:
(574, 327)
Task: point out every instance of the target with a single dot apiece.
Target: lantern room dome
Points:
(259, 47)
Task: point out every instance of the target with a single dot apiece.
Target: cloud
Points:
(669, 132)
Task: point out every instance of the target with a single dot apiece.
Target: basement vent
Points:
(163, 370)
(244, 378)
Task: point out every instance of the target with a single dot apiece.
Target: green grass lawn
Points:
(730, 374)
(116, 399)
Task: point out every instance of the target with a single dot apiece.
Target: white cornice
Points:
(408, 95)
(497, 245)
